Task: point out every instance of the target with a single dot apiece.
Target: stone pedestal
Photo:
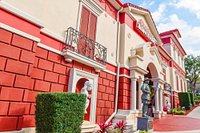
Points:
(145, 123)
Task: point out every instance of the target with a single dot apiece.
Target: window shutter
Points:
(92, 26)
(88, 28)
(84, 21)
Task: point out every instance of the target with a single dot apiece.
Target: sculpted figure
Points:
(87, 87)
(145, 96)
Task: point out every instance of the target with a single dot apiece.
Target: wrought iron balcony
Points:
(81, 44)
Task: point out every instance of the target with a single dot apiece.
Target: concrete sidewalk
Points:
(195, 113)
(192, 131)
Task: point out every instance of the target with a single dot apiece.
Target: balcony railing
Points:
(81, 44)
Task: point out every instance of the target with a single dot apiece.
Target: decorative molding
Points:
(6, 6)
(19, 32)
(139, 69)
(164, 65)
(124, 75)
(110, 72)
(52, 34)
(75, 75)
(124, 66)
(136, 57)
(112, 63)
(93, 6)
(155, 50)
(70, 55)
(162, 73)
(50, 48)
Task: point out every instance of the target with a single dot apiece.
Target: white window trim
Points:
(93, 6)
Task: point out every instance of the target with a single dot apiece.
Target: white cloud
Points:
(192, 5)
(158, 14)
(190, 34)
(147, 4)
(193, 52)
(151, 3)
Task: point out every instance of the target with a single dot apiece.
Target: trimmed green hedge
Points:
(192, 98)
(184, 99)
(197, 98)
(59, 112)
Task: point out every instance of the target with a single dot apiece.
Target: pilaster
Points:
(133, 94)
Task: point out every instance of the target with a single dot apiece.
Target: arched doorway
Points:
(152, 75)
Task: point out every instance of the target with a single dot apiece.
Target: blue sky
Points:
(181, 14)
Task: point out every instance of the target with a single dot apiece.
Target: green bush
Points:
(178, 111)
(192, 98)
(59, 112)
(197, 98)
(184, 99)
(174, 110)
(143, 131)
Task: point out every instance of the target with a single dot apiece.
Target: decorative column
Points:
(156, 97)
(161, 99)
(133, 94)
(140, 94)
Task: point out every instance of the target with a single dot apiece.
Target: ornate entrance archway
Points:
(146, 63)
(152, 75)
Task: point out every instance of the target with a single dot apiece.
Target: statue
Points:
(145, 96)
(87, 87)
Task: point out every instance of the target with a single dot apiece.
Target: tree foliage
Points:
(192, 68)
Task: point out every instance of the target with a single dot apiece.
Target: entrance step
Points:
(88, 127)
(128, 116)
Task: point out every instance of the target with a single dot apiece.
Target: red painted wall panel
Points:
(124, 18)
(111, 67)
(19, 23)
(51, 42)
(125, 71)
(166, 40)
(124, 93)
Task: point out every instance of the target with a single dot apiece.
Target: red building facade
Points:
(33, 61)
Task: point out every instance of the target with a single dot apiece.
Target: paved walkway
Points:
(178, 123)
(195, 113)
(192, 131)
